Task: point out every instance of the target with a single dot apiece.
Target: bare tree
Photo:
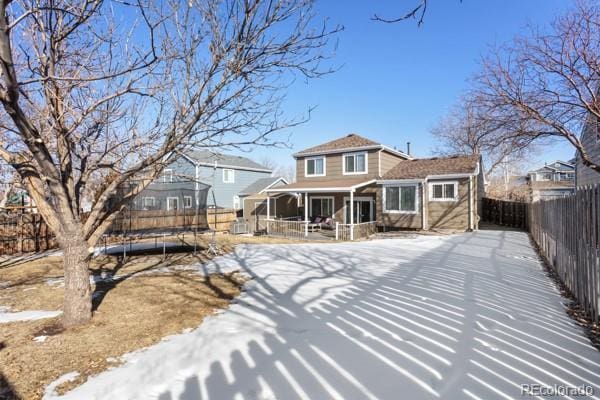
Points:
(288, 172)
(101, 91)
(467, 130)
(417, 12)
(546, 85)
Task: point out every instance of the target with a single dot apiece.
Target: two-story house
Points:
(590, 139)
(354, 179)
(553, 180)
(201, 179)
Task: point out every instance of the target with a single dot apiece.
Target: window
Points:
(443, 191)
(167, 175)
(228, 176)
(172, 203)
(355, 163)
(148, 202)
(187, 201)
(321, 206)
(236, 202)
(545, 176)
(400, 199)
(314, 166)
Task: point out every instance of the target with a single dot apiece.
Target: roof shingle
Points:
(209, 157)
(424, 167)
(350, 141)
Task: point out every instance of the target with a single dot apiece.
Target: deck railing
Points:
(300, 229)
(289, 229)
(362, 230)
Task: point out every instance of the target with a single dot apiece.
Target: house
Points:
(356, 180)
(590, 139)
(552, 180)
(224, 176)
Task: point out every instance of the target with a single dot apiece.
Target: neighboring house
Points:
(199, 174)
(552, 180)
(590, 139)
(354, 179)
(255, 198)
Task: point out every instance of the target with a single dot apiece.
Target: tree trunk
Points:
(78, 301)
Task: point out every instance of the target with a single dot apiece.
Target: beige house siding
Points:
(388, 161)
(585, 175)
(334, 167)
(398, 220)
(255, 210)
(450, 214)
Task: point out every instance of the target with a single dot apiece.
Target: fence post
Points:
(337, 230)
(351, 232)
(306, 228)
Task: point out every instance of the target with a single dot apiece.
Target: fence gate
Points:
(507, 213)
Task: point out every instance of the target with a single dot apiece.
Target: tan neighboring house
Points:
(590, 139)
(355, 180)
(553, 180)
(254, 202)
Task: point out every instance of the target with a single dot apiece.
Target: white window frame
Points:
(164, 175)
(399, 211)
(168, 204)
(148, 198)
(365, 153)
(360, 198)
(185, 202)
(232, 175)
(332, 198)
(446, 199)
(315, 158)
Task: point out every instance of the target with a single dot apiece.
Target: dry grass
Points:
(133, 313)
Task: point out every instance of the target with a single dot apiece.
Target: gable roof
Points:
(207, 157)
(351, 142)
(557, 165)
(260, 185)
(426, 167)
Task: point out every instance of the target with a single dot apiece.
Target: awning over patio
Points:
(333, 185)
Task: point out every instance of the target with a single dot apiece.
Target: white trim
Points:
(371, 200)
(149, 198)
(238, 198)
(172, 198)
(191, 202)
(400, 211)
(323, 189)
(232, 175)
(164, 173)
(306, 175)
(399, 181)
(445, 199)
(354, 154)
(332, 198)
(379, 163)
(273, 184)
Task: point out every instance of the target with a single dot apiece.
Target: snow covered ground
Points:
(468, 316)
(30, 315)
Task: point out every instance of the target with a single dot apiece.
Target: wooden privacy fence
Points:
(24, 232)
(567, 232)
(506, 213)
(219, 219)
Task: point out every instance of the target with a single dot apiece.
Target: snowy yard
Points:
(462, 316)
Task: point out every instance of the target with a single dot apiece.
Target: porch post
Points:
(351, 215)
(306, 214)
(268, 211)
(424, 205)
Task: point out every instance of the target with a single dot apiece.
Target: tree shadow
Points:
(463, 316)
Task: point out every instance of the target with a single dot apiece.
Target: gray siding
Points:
(586, 176)
(224, 192)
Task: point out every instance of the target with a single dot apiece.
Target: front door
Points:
(363, 211)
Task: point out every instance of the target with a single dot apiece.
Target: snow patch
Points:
(31, 315)
(50, 390)
(40, 339)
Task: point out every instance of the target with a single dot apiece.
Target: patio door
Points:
(363, 210)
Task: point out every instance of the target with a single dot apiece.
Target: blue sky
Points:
(397, 80)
